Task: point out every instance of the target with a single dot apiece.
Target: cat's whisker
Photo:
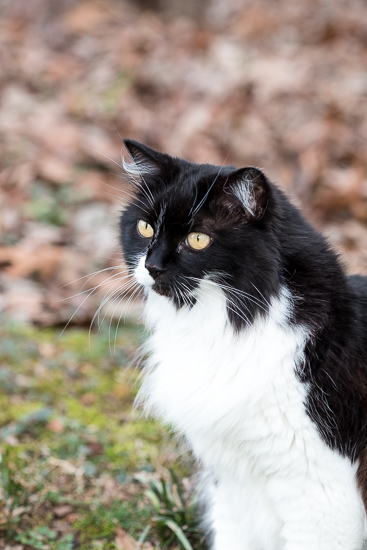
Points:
(131, 299)
(111, 298)
(187, 297)
(148, 190)
(235, 308)
(192, 292)
(118, 189)
(104, 155)
(99, 286)
(96, 315)
(215, 278)
(196, 210)
(250, 297)
(150, 201)
(190, 214)
(131, 195)
(89, 292)
(116, 276)
(237, 311)
(178, 296)
(139, 185)
(121, 166)
(134, 295)
(90, 275)
(262, 296)
(75, 312)
(125, 284)
(123, 290)
(180, 291)
(231, 306)
(123, 191)
(118, 301)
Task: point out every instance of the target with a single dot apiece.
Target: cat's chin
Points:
(163, 290)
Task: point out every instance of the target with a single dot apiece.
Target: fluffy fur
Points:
(257, 354)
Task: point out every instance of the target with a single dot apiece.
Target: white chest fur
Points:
(215, 387)
(238, 402)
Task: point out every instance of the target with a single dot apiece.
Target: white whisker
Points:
(131, 299)
(91, 290)
(104, 155)
(90, 275)
(235, 308)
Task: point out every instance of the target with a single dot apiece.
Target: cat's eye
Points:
(197, 240)
(145, 229)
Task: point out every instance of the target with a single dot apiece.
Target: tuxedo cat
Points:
(257, 353)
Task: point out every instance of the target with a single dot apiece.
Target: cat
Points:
(257, 355)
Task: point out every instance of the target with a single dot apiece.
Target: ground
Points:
(79, 468)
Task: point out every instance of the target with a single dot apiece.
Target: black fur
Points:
(254, 252)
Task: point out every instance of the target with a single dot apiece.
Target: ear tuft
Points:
(251, 187)
(145, 160)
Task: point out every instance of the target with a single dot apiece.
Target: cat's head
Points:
(188, 222)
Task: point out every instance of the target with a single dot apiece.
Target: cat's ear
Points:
(145, 160)
(249, 189)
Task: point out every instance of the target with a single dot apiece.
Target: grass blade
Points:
(179, 534)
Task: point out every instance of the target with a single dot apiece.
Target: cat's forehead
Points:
(181, 196)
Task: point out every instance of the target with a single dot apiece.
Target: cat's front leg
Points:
(224, 530)
(224, 538)
(221, 518)
(240, 517)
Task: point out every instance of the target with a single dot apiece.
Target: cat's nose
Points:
(154, 270)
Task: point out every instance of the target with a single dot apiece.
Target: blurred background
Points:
(280, 85)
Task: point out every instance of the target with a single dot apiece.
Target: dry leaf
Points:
(85, 16)
(55, 425)
(123, 540)
(62, 510)
(23, 261)
(54, 169)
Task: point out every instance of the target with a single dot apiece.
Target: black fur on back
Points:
(257, 248)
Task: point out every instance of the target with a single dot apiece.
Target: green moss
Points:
(100, 523)
(19, 409)
(66, 409)
(87, 415)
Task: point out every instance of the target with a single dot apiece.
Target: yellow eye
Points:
(198, 241)
(145, 229)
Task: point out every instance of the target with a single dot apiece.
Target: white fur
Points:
(245, 195)
(236, 399)
(138, 167)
